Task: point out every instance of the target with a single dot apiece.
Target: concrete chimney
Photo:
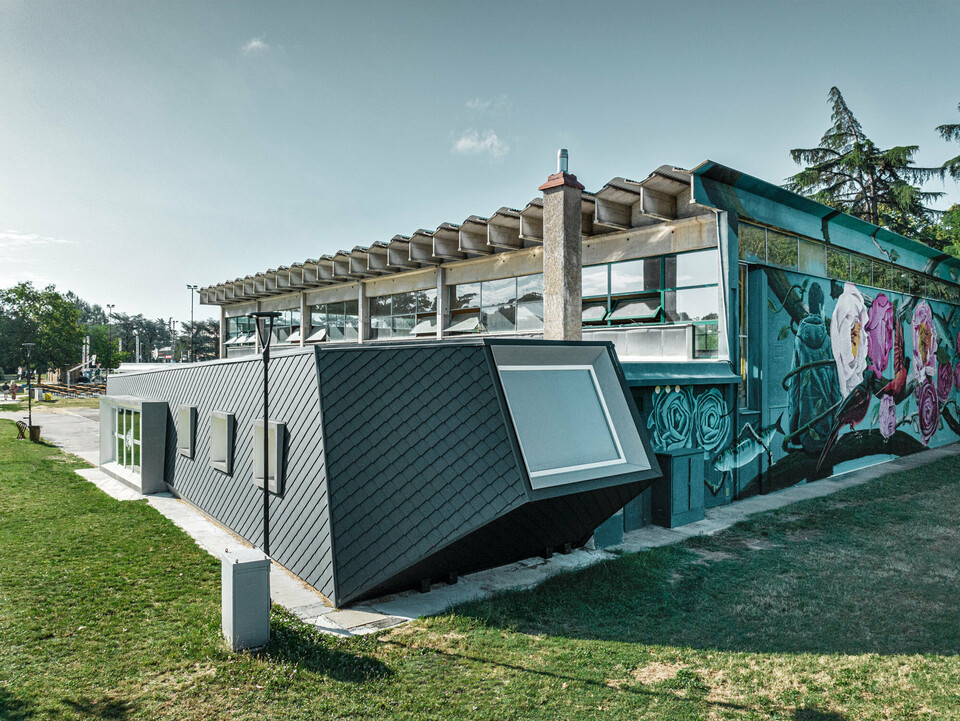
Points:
(562, 254)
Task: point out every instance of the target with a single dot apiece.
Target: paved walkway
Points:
(77, 432)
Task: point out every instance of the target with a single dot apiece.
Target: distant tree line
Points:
(57, 323)
(883, 186)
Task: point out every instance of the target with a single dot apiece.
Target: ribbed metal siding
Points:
(299, 520)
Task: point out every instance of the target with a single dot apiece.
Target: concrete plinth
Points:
(245, 598)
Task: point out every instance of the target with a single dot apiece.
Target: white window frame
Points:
(275, 452)
(621, 458)
(120, 439)
(186, 430)
(227, 420)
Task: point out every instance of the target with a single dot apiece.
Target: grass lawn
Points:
(843, 607)
(49, 406)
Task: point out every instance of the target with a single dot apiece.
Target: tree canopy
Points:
(951, 133)
(849, 172)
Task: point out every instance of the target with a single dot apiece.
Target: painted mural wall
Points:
(851, 376)
(693, 416)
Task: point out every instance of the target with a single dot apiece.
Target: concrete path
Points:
(79, 434)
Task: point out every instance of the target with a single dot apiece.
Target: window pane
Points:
(530, 287)
(706, 341)
(427, 301)
(466, 295)
(643, 309)
(691, 304)
(900, 280)
(464, 323)
(594, 281)
(498, 319)
(559, 419)
(813, 258)
(627, 277)
(403, 325)
(499, 292)
(881, 275)
(381, 305)
(593, 312)
(404, 303)
(697, 268)
(781, 249)
(752, 242)
(380, 327)
(530, 315)
(917, 284)
(861, 270)
(838, 264)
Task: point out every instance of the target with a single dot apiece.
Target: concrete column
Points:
(562, 257)
(222, 350)
(442, 309)
(363, 314)
(304, 319)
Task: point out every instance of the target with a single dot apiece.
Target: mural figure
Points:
(898, 388)
(746, 450)
(851, 412)
(814, 389)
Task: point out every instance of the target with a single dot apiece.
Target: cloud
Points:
(474, 143)
(255, 46)
(14, 239)
(499, 105)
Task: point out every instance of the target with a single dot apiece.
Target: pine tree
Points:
(847, 171)
(950, 133)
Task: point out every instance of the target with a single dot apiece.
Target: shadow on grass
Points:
(105, 708)
(868, 570)
(301, 645)
(16, 709)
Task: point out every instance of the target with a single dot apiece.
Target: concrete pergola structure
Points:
(624, 220)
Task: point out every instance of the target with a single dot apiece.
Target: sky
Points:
(145, 146)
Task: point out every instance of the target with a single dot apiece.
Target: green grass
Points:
(839, 608)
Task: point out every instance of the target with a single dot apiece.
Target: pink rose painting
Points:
(848, 338)
(956, 375)
(928, 410)
(888, 416)
(880, 333)
(944, 382)
(924, 343)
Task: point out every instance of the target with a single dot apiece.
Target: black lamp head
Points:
(264, 332)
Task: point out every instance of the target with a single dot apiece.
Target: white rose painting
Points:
(848, 335)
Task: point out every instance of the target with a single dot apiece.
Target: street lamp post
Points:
(192, 288)
(29, 348)
(110, 307)
(265, 332)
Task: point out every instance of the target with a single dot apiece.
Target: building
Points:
(765, 339)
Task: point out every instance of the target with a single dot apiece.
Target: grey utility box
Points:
(245, 598)
(677, 498)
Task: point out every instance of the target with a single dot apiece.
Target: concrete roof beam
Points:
(446, 242)
(503, 229)
(531, 222)
(398, 253)
(473, 236)
(421, 248)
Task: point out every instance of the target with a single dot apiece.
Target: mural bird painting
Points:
(898, 388)
(852, 411)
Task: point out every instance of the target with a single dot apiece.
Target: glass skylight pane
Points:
(559, 418)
